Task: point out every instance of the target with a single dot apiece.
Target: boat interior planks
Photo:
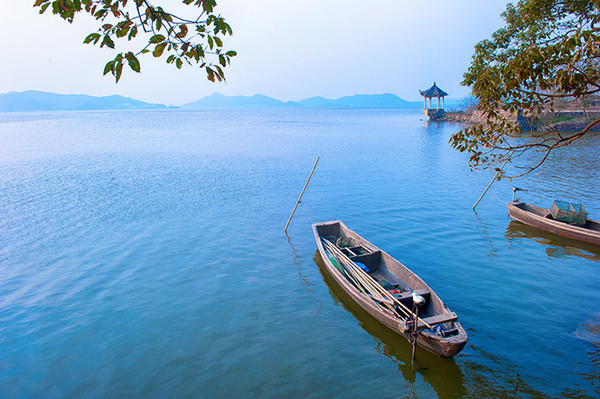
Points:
(388, 290)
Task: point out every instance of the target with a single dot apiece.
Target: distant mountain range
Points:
(43, 101)
(260, 101)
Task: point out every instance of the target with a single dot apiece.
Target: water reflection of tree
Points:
(479, 374)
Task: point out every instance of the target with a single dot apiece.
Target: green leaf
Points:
(108, 67)
(183, 31)
(132, 32)
(159, 49)
(122, 30)
(92, 37)
(156, 39)
(118, 71)
(179, 63)
(108, 42)
(101, 13)
(134, 63)
(208, 5)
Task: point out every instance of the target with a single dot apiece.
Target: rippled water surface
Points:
(142, 254)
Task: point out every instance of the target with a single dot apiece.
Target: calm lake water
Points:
(142, 254)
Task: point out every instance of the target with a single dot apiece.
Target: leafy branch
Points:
(548, 51)
(182, 41)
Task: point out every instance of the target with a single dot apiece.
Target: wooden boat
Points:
(395, 289)
(541, 218)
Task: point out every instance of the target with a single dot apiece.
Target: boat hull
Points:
(441, 346)
(538, 217)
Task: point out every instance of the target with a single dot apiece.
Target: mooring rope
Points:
(494, 194)
(305, 214)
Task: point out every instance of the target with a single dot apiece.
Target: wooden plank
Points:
(419, 291)
(440, 318)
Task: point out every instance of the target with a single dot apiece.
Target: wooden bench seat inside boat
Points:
(355, 251)
(371, 260)
(406, 297)
(440, 318)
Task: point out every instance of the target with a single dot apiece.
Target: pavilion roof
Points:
(433, 91)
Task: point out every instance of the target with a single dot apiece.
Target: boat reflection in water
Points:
(442, 374)
(556, 246)
(479, 373)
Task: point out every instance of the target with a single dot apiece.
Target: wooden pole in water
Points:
(494, 179)
(301, 194)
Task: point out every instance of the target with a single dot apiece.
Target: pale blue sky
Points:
(288, 50)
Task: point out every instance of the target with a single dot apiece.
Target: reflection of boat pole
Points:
(301, 194)
(495, 177)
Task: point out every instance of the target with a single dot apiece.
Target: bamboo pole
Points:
(358, 285)
(301, 194)
(361, 284)
(374, 283)
(369, 288)
(378, 287)
(374, 286)
(493, 180)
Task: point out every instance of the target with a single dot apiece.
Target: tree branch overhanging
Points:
(179, 39)
(547, 53)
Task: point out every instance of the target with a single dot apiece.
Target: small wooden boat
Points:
(388, 290)
(541, 218)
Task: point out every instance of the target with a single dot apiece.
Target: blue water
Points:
(142, 254)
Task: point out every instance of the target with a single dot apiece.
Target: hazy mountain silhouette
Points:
(32, 100)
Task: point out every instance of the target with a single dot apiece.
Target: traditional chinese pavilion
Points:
(433, 92)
